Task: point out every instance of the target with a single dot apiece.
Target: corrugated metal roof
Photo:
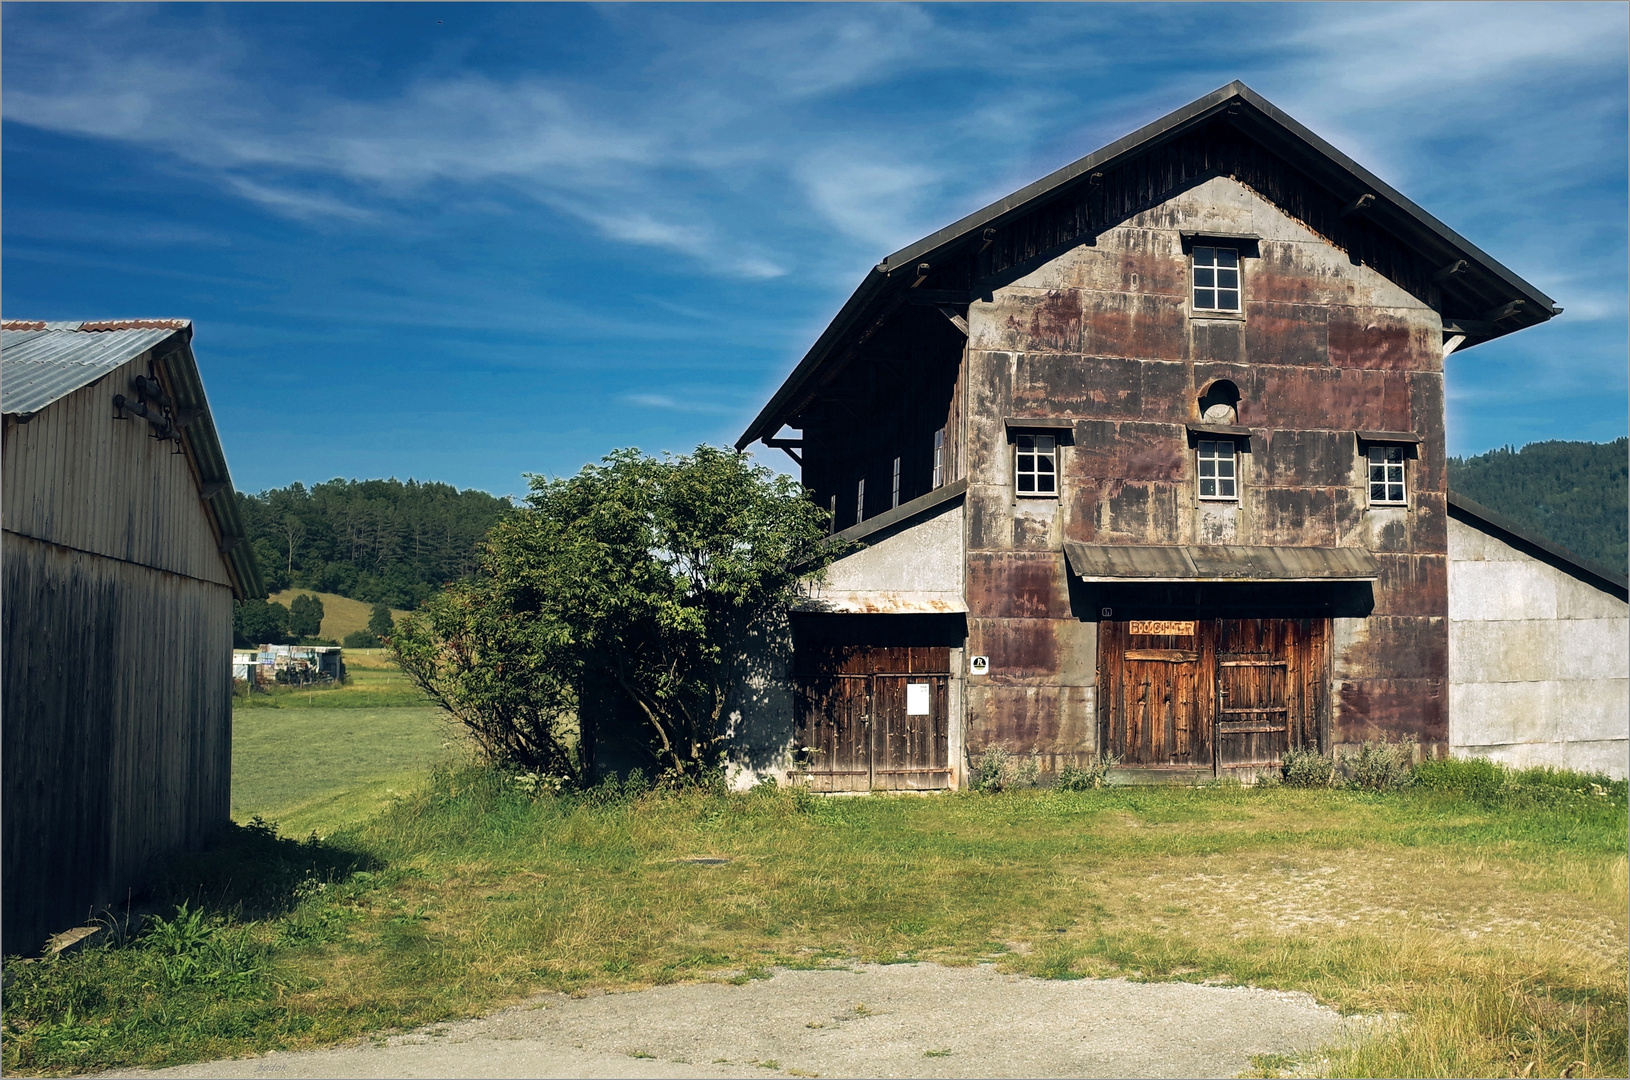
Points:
(44, 362)
(1226, 562)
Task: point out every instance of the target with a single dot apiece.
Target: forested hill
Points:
(1574, 493)
(383, 541)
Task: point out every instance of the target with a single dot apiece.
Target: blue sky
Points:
(464, 242)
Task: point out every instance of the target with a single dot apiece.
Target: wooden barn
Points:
(1147, 458)
(123, 553)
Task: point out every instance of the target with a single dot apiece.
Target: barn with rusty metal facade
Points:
(123, 553)
(1147, 459)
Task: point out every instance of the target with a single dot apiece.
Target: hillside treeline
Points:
(383, 541)
(1574, 493)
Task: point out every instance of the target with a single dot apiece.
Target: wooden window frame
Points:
(1035, 451)
(1401, 463)
(1200, 478)
(1216, 270)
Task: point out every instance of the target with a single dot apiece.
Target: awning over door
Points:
(1223, 562)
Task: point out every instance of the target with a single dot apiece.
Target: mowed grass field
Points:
(321, 759)
(341, 614)
(1480, 921)
(368, 756)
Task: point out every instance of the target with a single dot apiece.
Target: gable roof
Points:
(1536, 546)
(1480, 298)
(43, 362)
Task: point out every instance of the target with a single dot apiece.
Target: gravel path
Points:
(893, 1020)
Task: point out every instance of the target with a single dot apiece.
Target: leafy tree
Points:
(379, 621)
(1574, 493)
(631, 581)
(361, 639)
(258, 622)
(305, 616)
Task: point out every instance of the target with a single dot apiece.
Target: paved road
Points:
(894, 1020)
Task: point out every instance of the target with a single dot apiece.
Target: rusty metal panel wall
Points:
(117, 729)
(1094, 325)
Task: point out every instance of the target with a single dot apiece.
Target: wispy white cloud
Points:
(303, 205)
(668, 403)
(759, 146)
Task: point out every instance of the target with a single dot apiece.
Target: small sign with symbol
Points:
(978, 665)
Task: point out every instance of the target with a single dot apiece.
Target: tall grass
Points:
(1481, 915)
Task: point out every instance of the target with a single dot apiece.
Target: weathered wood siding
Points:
(75, 476)
(117, 627)
(854, 721)
(886, 402)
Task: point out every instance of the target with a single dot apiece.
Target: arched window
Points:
(1220, 403)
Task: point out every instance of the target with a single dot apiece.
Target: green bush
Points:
(379, 621)
(1089, 777)
(1380, 766)
(997, 771)
(1305, 767)
(361, 639)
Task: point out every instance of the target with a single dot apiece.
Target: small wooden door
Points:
(1160, 714)
(910, 733)
(1253, 717)
(874, 718)
(834, 731)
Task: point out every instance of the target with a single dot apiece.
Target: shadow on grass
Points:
(250, 872)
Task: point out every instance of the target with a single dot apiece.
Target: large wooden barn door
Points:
(874, 717)
(834, 732)
(1212, 693)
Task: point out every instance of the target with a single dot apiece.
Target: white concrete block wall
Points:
(1539, 661)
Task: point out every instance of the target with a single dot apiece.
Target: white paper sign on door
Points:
(916, 699)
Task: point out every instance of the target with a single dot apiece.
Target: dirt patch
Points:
(895, 1020)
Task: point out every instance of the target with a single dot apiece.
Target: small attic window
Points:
(1035, 465)
(1216, 278)
(1386, 471)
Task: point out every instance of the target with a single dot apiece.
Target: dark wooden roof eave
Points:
(202, 444)
(1489, 285)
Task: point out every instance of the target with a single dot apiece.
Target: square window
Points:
(1035, 464)
(1216, 279)
(1386, 476)
(1218, 475)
